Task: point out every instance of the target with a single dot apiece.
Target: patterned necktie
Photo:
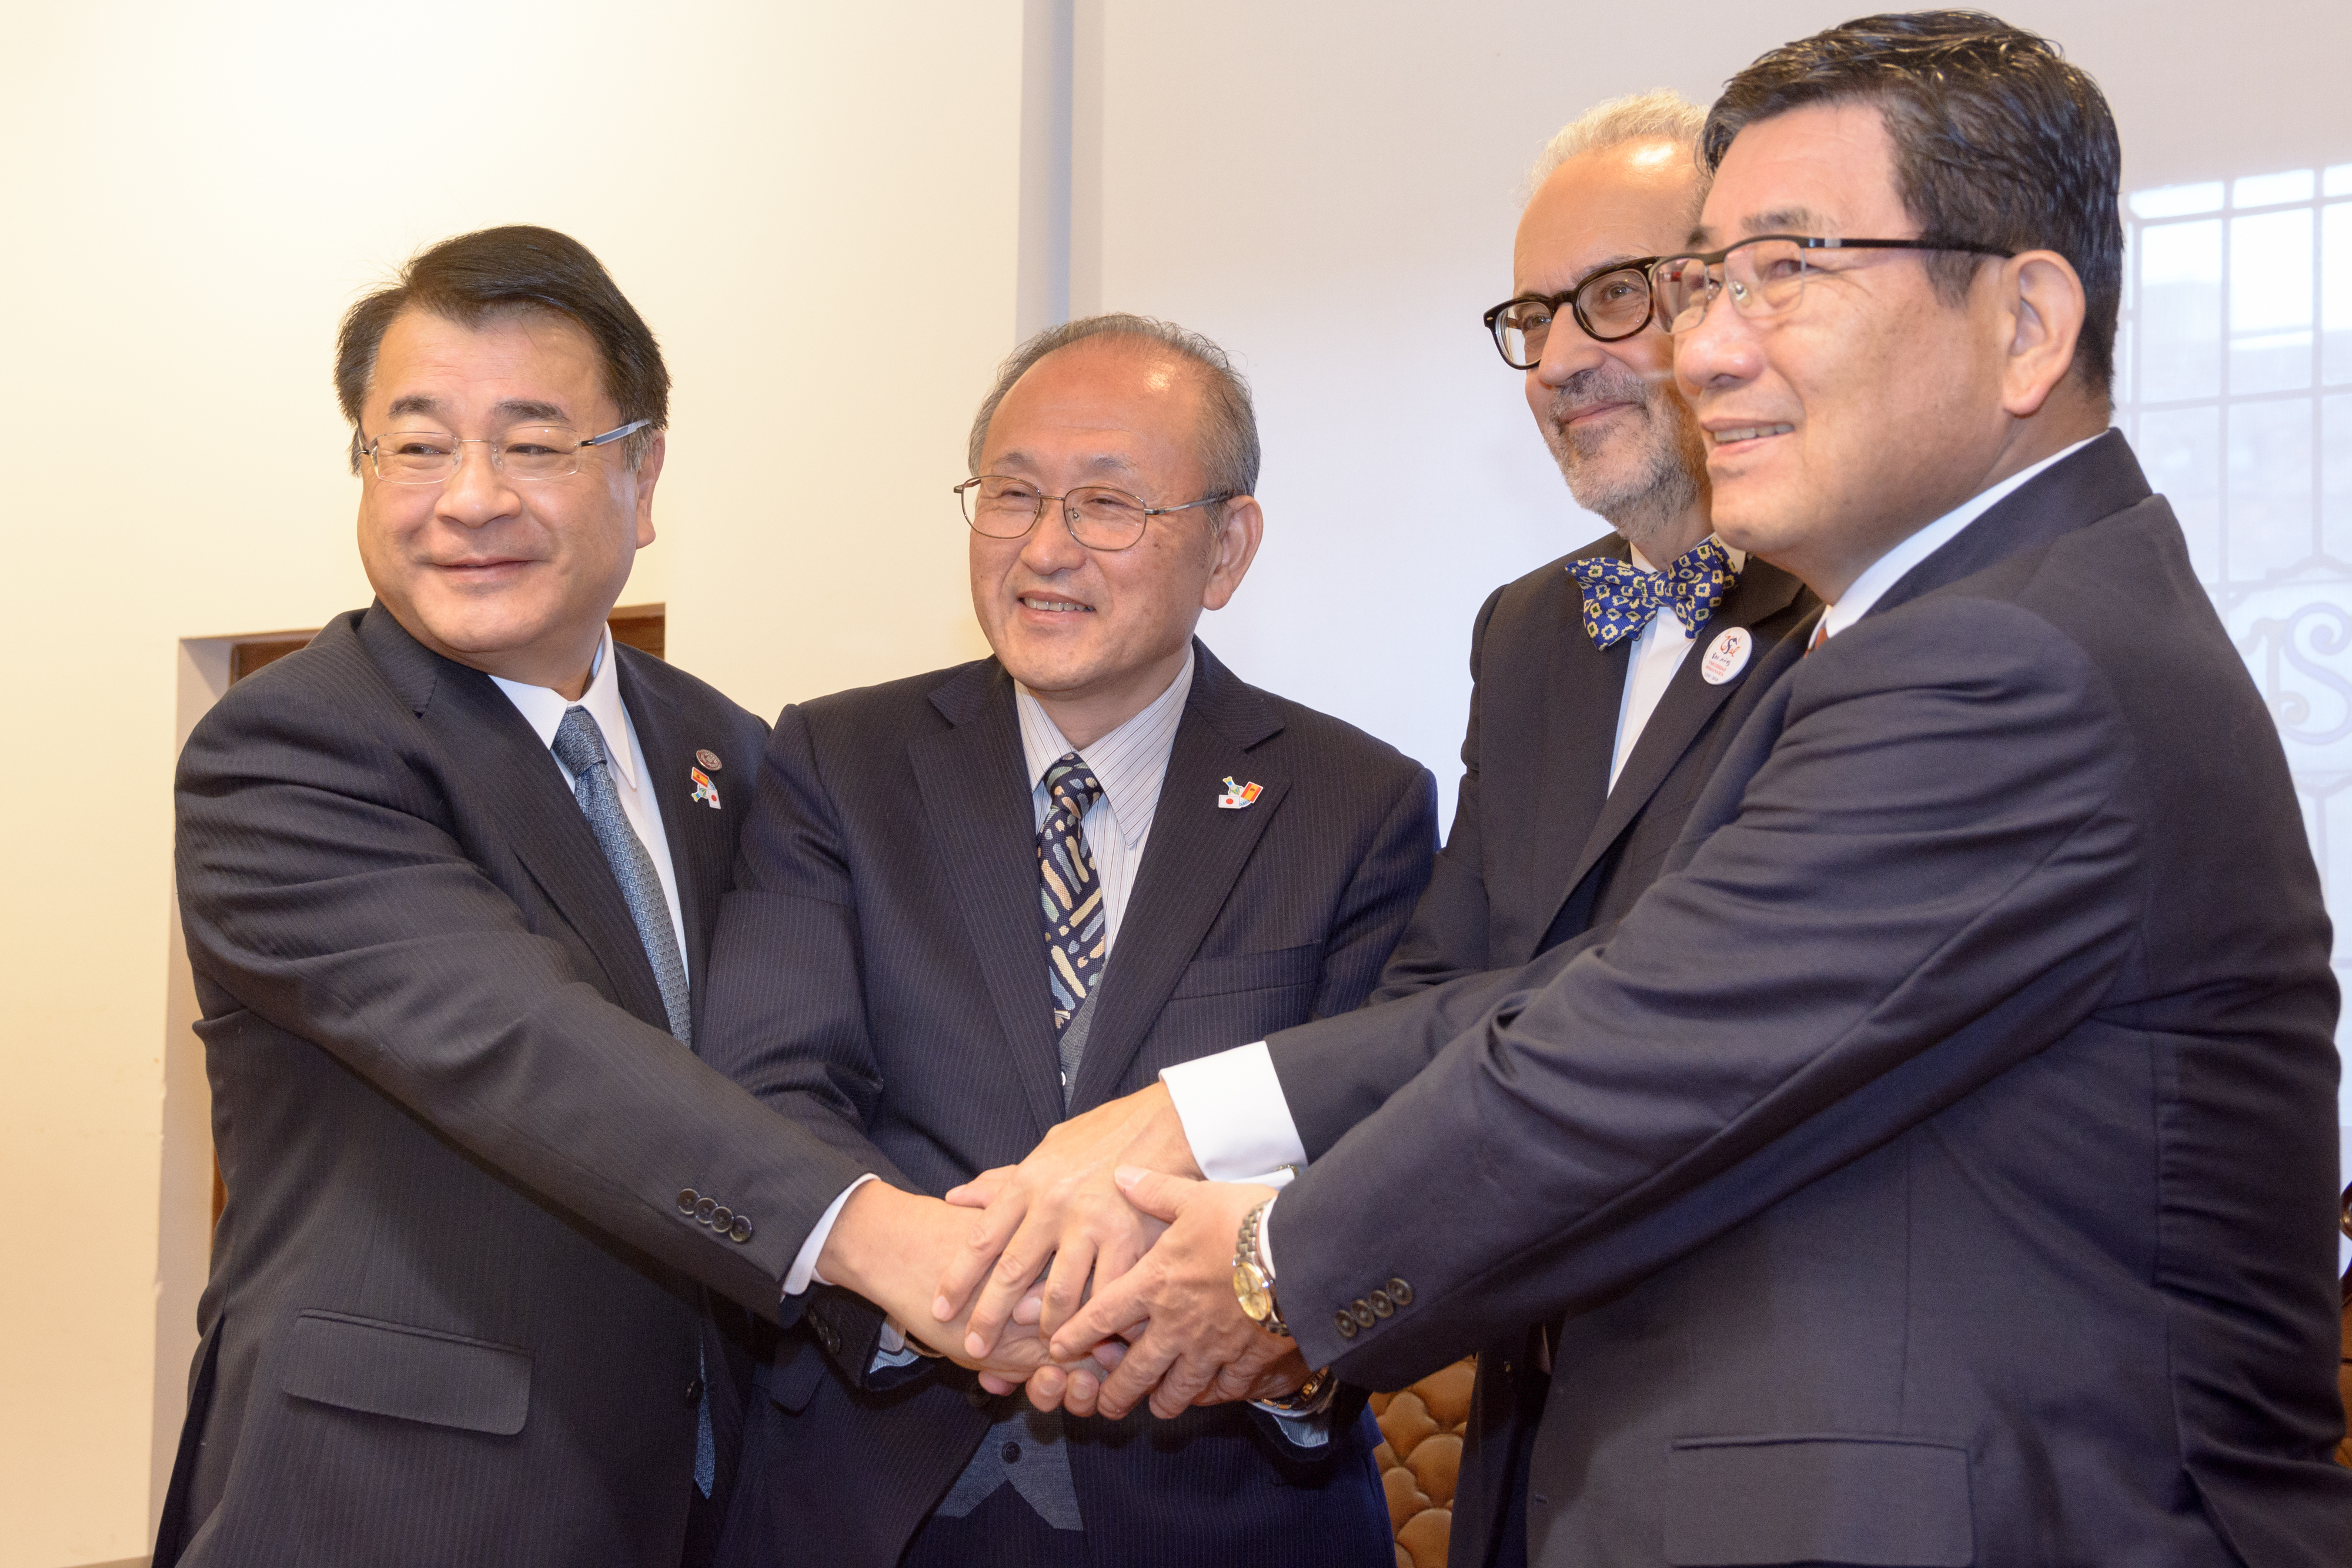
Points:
(579, 747)
(1619, 598)
(1070, 894)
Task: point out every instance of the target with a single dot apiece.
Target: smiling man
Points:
(1935, 1165)
(975, 901)
(448, 876)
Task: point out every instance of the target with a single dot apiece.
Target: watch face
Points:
(1250, 1286)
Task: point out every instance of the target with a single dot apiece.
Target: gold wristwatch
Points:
(1251, 1284)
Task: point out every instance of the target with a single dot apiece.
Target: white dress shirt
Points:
(1130, 763)
(543, 707)
(1232, 1104)
(1659, 649)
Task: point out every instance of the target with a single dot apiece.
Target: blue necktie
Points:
(579, 747)
(1619, 598)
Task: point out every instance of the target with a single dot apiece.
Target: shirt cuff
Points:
(1303, 1431)
(802, 1273)
(1234, 1116)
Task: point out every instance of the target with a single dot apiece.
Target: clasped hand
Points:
(1106, 1246)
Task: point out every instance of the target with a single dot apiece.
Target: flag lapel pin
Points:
(704, 790)
(1238, 795)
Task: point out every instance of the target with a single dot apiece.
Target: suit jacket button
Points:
(826, 1337)
(1364, 1315)
(1010, 1453)
(1381, 1305)
(1400, 1292)
(721, 1217)
(693, 1392)
(1345, 1322)
(702, 1211)
(687, 1198)
(740, 1231)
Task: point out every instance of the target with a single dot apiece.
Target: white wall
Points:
(813, 207)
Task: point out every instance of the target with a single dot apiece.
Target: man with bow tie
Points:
(1593, 720)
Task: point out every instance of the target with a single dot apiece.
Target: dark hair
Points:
(518, 267)
(1227, 444)
(1998, 141)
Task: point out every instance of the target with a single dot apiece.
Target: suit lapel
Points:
(1584, 690)
(983, 828)
(1196, 854)
(509, 771)
(701, 849)
(1688, 702)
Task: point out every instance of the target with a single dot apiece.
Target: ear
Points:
(1235, 548)
(649, 469)
(2042, 306)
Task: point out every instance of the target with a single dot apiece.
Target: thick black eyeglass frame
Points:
(1711, 259)
(1552, 302)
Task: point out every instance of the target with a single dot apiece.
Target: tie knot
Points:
(579, 744)
(1072, 785)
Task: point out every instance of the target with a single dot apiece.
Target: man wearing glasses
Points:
(974, 902)
(448, 876)
(1936, 1164)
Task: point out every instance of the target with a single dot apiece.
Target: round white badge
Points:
(1726, 656)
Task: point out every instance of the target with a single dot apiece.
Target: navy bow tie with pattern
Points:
(1619, 598)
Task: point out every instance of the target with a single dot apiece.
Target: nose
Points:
(1567, 349)
(478, 492)
(1720, 350)
(1050, 547)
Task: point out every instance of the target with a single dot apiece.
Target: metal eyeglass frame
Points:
(497, 453)
(1712, 259)
(1069, 516)
(1571, 297)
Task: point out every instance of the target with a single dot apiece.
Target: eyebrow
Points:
(510, 410)
(1100, 463)
(1606, 264)
(1777, 221)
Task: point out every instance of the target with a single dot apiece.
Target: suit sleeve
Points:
(324, 888)
(786, 1010)
(1926, 871)
(1446, 936)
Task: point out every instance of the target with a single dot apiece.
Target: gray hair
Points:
(1227, 443)
(1661, 114)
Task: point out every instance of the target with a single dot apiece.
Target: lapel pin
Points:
(704, 790)
(708, 759)
(1238, 795)
(1726, 656)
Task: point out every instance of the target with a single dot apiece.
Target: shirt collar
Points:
(1738, 556)
(1891, 567)
(543, 707)
(1130, 762)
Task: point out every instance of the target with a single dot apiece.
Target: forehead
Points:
(1634, 199)
(514, 355)
(1119, 398)
(1826, 167)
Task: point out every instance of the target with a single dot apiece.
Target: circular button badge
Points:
(1726, 656)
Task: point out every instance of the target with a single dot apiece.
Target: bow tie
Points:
(1619, 598)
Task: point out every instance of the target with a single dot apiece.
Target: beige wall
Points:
(812, 206)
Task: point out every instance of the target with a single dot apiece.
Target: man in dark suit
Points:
(1934, 1165)
(448, 876)
(974, 901)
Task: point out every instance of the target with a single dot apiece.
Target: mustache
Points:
(1602, 385)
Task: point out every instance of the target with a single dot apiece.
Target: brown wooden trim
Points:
(644, 627)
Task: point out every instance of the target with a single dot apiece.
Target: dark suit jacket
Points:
(1543, 851)
(881, 957)
(455, 1308)
(1935, 1164)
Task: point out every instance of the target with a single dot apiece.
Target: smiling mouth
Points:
(1054, 606)
(1747, 433)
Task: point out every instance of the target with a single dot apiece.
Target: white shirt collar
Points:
(1130, 762)
(1738, 556)
(543, 708)
(1891, 567)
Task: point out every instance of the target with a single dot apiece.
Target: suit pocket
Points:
(1277, 970)
(416, 1375)
(1764, 1499)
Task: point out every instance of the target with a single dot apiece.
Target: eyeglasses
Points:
(1609, 305)
(1099, 517)
(527, 452)
(1765, 275)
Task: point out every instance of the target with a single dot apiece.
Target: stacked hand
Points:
(1110, 1201)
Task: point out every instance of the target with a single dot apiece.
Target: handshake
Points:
(1099, 1272)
